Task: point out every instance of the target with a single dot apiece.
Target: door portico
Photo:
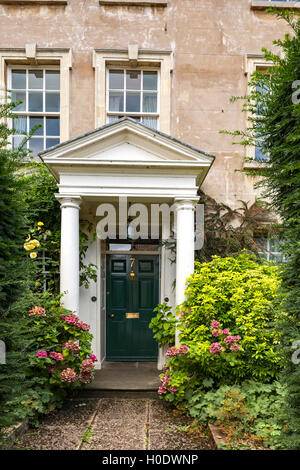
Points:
(135, 162)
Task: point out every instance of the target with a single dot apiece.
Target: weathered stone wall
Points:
(210, 40)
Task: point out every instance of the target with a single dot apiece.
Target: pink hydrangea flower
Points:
(85, 377)
(165, 368)
(162, 391)
(83, 326)
(72, 346)
(229, 339)
(215, 324)
(235, 347)
(37, 311)
(70, 319)
(68, 375)
(42, 353)
(87, 365)
(225, 332)
(215, 348)
(174, 389)
(165, 380)
(93, 358)
(171, 352)
(184, 349)
(56, 356)
(216, 332)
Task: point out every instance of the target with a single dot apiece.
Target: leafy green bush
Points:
(227, 329)
(252, 409)
(43, 213)
(163, 325)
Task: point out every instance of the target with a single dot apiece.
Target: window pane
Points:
(150, 80)
(35, 101)
(20, 125)
(51, 142)
(52, 126)
(277, 258)
(262, 242)
(35, 121)
(133, 80)
(150, 103)
(135, 118)
(133, 104)
(116, 101)
(52, 102)
(150, 122)
(275, 244)
(259, 155)
(112, 119)
(36, 145)
(16, 96)
(18, 79)
(35, 79)
(116, 79)
(52, 80)
(17, 141)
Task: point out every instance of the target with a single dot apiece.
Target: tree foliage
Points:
(273, 108)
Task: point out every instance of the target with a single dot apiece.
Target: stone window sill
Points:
(33, 2)
(254, 164)
(138, 3)
(263, 4)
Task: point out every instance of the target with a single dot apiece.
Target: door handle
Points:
(112, 315)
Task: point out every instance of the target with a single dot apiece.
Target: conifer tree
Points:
(273, 109)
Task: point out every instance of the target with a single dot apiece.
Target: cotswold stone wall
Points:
(210, 40)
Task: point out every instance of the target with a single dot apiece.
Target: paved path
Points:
(114, 424)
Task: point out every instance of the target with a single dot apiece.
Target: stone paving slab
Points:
(113, 423)
(62, 429)
(119, 425)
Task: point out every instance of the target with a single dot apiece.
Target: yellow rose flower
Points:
(40, 224)
(37, 282)
(28, 238)
(35, 243)
(29, 246)
(33, 255)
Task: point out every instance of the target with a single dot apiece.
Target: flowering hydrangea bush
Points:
(63, 357)
(227, 328)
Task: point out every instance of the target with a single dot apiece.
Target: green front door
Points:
(132, 293)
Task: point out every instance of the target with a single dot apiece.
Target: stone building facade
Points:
(172, 65)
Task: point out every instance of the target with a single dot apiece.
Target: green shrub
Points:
(251, 409)
(228, 327)
(163, 325)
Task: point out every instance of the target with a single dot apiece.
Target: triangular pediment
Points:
(125, 142)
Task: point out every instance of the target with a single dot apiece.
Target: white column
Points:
(185, 246)
(69, 251)
(165, 283)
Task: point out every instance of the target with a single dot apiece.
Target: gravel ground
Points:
(113, 423)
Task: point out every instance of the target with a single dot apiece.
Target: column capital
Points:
(69, 200)
(185, 203)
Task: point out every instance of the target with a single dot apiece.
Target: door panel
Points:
(132, 289)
